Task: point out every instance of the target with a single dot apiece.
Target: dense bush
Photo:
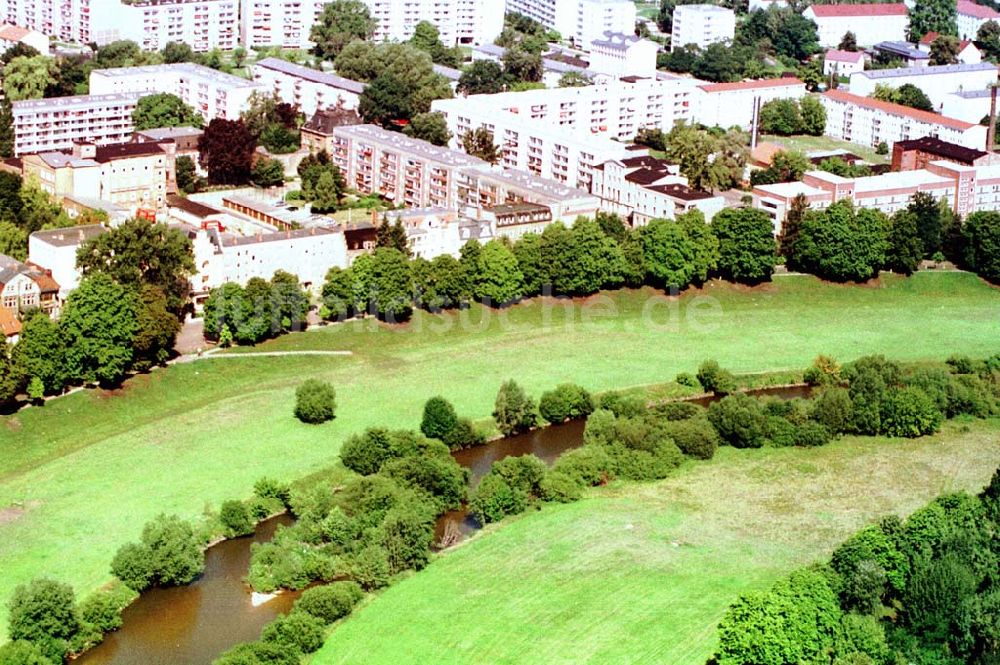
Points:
(464, 435)
(235, 518)
(42, 611)
(687, 379)
(258, 653)
(315, 401)
(132, 566)
(560, 487)
(366, 453)
(494, 499)
(167, 554)
(715, 379)
(269, 489)
(696, 437)
(297, 632)
(330, 601)
(514, 410)
(369, 567)
(439, 418)
(440, 476)
(740, 421)
(909, 412)
(587, 466)
(565, 402)
(833, 409)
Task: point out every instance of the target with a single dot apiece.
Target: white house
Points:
(701, 25)
(972, 16)
(968, 54)
(935, 81)
(843, 63)
(967, 105)
(580, 20)
(55, 251)
(13, 34)
(870, 23)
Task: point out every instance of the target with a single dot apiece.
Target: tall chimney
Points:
(754, 121)
(992, 127)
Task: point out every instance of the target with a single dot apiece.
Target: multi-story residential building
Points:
(285, 23)
(843, 63)
(580, 20)
(869, 122)
(458, 21)
(966, 189)
(129, 175)
(308, 89)
(621, 54)
(10, 35)
(903, 52)
(42, 125)
(732, 104)
(55, 251)
(870, 23)
(918, 153)
(498, 188)
(971, 16)
(935, 81)
(701, 25)
(211, 93)
(644, 188)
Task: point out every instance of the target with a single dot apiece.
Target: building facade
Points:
(935, 81)
(971, 16)
(731, 104)
(581, 20)
(702, 25)
(11, 35)
(307, 89)
(621, 54)
(870, 23)
(55, 251)
(42, 125)
(843, 63)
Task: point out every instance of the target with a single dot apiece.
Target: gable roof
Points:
(836, 55)
(969, 8)
(898, 109)
(9, 324)
(858, 11)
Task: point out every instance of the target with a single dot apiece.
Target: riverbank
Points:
(81, 475)
(649, 568)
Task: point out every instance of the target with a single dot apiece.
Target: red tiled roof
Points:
(844, 56)
(929, 38)
(859, 11)
(9, 323)
(751, 85)
(898, 109)
(970, 8)
(12, 33)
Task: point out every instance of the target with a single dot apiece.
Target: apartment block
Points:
(285, 23)
(211, 93)
(55, 251)
(870, 23)
(580, 20)
(623, 54)
(918, 153)
(702, 25)
(308, 89)
(731, 104)
(971, 16)
(42, 125)
(201, 24)
(643, 188)
(868, 121)
(935, 81)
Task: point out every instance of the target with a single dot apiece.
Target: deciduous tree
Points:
(479, 143)
(99, 324)
(341, 22)
(938, 16)
(226, 151)
(482, 77)
(28, 77)
(431, 127)
(164, 110)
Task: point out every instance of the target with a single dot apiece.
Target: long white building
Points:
(936, 81)
(580, 20)
(971, 16)
(42, 125)
(308, 89)
(211, 93)
(870, 23)
(702, 25)
(731, 104)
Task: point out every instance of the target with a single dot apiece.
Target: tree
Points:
(18, 50)
(945, 50)
(708, 162)
(42, 610)
(482, 77)
(99, 325)
(849, 42)
(513, 411)
(786, 166)
(330, 601)
(567, 401)
(574, 80)
(6, 129)
(385, 101)
(982, 235)
(10, 381)
(427, 38)
(178, 52)
(431, 127)
(13, 241)
(813, 116)
(938, 16)
(329, 191)
(157, 328)
(391, 285)
(341, 22)
(905, 250)
(439, 418)
(498, 280)
(187, 178)
(747, 250)
(137, 253)
(478, 142)
(781, 116)
(988, 39)
(122, 53)
(393, 235)
(315, 401)
(786, 31)
(28, 77)
(715, 379)
(841, 243)
(932, 218)
(175, 556)
(40, 352)
(912, 96)
(719, 63)
(267, 172)
(226, 151)
(267, 111)
(164, 110)
(522, 65)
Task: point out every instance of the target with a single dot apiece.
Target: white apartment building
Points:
(55, 251)
(968, 105)
(580, 20)
(211, 93)
(458, 21)
(868, 121)
(643, 188)
(731, 104)
(971, 16)
(936, 81)
(41, 125)
(870, 23)
(843, 63)
(284, 23)
(619, 54)
(10, 35)
(702, 25)
(306, 88)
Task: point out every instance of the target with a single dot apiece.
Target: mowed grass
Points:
(81, 475)
(806, 143)
(641, 573)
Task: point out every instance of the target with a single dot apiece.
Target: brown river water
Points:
(194, 624)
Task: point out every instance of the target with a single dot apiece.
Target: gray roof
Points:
(188, 68)
(75, 101)
(69, 236)
(405, 144)
(161, 133)
(929, 70)
(974, 94)
(449, 73)
(616, 40)
(308, 74)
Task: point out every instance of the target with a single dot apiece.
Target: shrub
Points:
(365, 453)
(740, 421)
(677, 410)
(42, 610)
(687, 379)
(513, 411)
(407, 533)
(863, 586)
(560, 487)
(495, 498)
(268, 488)
(780, 432)
(280, 563)
(174, 551)
(442, 478)
(235, 518)
(565, 402)
(330, 602)
(824, 371)
(969, 394)
(909, 412)
(961, 364)
(695, 437)
(315, 402)
(464, 435)
(810, 434)
(370, 567)
(863, 638)
(524, 472)
(623, 406)
(832, 408)
(439, 418)
(258, 653)
(714, 379)
(587, 466)
(22, 652)
(296, 631)
(653, 462)
(103, 609)
(131, 564)
(871, 544)
(600, 428)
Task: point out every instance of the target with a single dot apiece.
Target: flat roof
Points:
(53, 103)
(188, 68)
(162, 133)
(859, 11)
(70, 235)
(936, 146)
(237, 241)
(309, 74)
(898, 180)
(752, 85)
(930, 70)
(404, 143)
(791, 189)
(552, 189)
(702, 9)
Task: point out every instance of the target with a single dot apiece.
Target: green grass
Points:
(809, 143)
(80, 476)
(642, 573)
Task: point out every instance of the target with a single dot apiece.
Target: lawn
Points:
(81, 475)
(641, 573)
(810, 143)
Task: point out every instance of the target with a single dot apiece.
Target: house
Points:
(305, 88)
(618, 54)
(317, 132)
(971, 16)
(918, 153)
(843, 63)
(870, 23)
(968, 54)
(13, 34)
(901, 51)
(55, 252)
(24, 286)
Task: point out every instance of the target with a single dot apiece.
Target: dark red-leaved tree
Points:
(226, 151)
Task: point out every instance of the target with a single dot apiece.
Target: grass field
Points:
(81, 475)
(808, 143)
(642, 573)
